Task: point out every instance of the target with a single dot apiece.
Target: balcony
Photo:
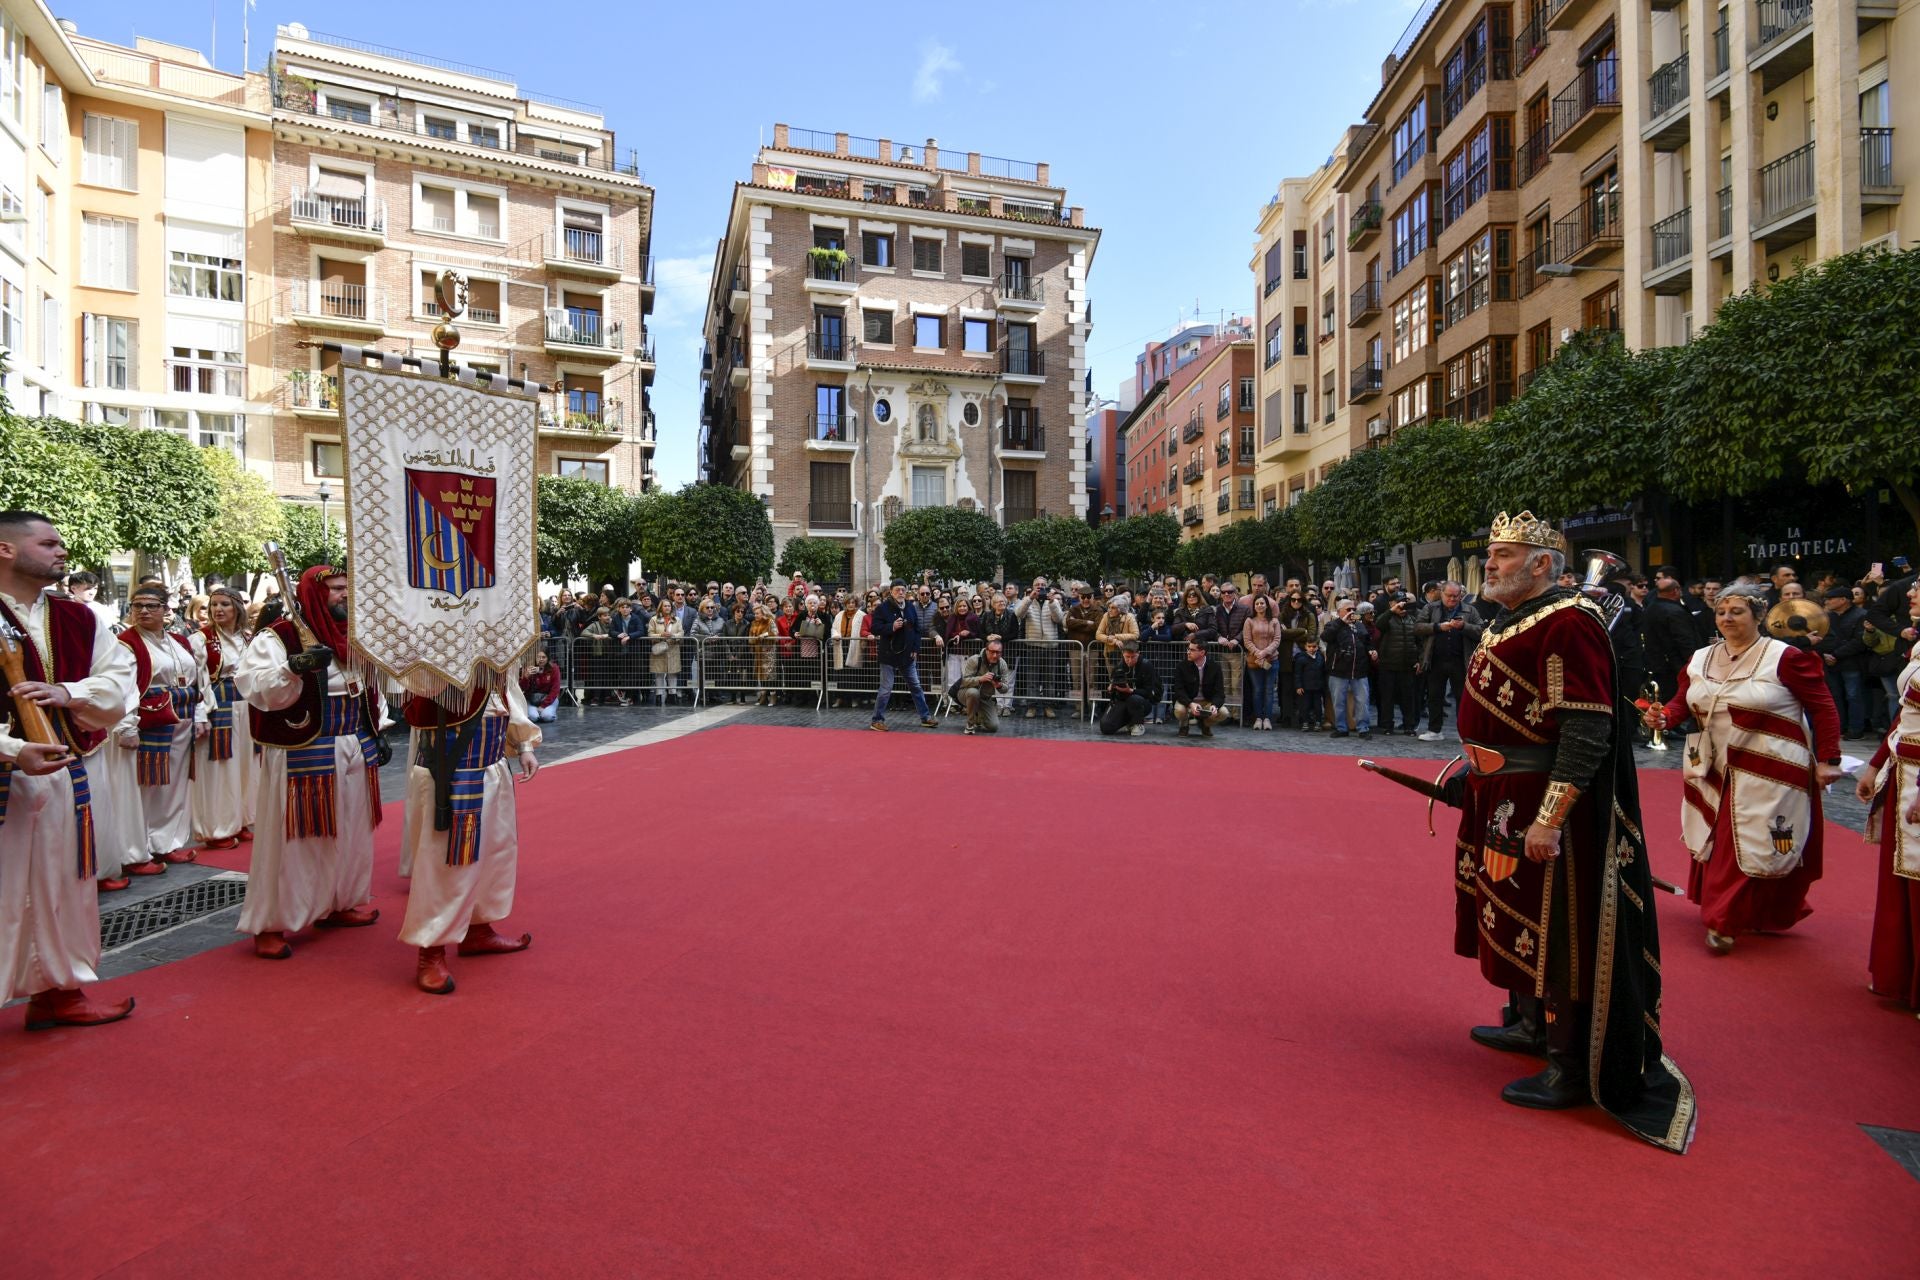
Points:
(1365, 224)
(843, 517)
(1193, 473)
(332, 304)
(1787, 195)
(831, 271)
(829, 351)
(1587, 105)
(1722, 56)
(1672, 254)
(1724, 207)
(1192, 431)
(1782, 41)
(1018, 291)
(1669, 96)
(1190, 515)
(646, 279)
(1590, 232)
(207, 378)
(1564, 15)
(1876, 168)
(1364, 305)
(643, 355)
(313, 395)
(1527, 275)
(737, 362)
(1533, 155)
(581, 413)
(1222, 456)
(1021, 432)
(581, 252)
(574, 332)
(1367, 380)
(1223, 504)
(829, 430)
(1023, 362)
(738, 287)
(342, 218)
(1531, 42)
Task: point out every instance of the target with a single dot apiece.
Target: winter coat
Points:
(1310, 671)
(1428, 629)
(665, 633)
(1349, 647)
(1040, 619)
(848, 646)
(1399, 643)
(1206, 621)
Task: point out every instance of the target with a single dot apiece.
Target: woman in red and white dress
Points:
(1768, 742)
(1891, 786)
(223, 782)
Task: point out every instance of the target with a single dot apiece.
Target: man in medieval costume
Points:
(316, 709)
(75, 674)
(1553, 893)
(169, 724)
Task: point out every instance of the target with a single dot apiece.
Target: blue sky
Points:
(1170, 124)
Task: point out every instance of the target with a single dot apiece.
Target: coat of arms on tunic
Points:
(1502, 849)
(1781, 833)
(450, 526)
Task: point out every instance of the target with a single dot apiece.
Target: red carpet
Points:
(831, 1004)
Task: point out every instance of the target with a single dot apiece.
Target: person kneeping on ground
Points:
(1198, 691)
(1132, 695)
(982, 677)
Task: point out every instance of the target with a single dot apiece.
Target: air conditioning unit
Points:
(1376, 429)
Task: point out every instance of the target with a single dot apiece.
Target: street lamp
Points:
(326, 532)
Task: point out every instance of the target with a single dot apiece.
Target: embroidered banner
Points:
(440, 520)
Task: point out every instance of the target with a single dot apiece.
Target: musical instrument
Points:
(31, 716)
(290, 603)
(1602, 566)
(1651, 692)
(1797, 620)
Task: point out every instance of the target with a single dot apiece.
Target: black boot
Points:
(1521, 1030)
(1561, 1086)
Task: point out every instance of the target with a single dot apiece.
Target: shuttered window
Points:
(110, 151)
(107, 252)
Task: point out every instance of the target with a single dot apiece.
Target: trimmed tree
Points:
(815, 559)
(1431, 486)
(583, 529)
(1058, 547)
(1341, 515)
(706, 532)
(955, 544)
(301, 537)
(1139, 545)
(249, 516)
(62, 481)
(158, 488)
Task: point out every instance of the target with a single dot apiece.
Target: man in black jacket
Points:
(1198, 691)
(1844, 651)
(896, 631)
(1670, 631)
(1132, 695)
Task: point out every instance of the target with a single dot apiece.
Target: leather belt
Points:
(1485, 760)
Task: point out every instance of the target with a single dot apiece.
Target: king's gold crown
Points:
(1527, 530)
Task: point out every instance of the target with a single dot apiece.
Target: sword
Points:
(1436, 790)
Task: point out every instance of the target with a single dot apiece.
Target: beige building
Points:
(389, 169)
(1759, 133)
(894, 326)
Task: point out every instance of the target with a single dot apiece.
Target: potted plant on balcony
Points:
(833, 258)
(298, 379)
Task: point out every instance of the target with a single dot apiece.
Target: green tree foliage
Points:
(64, 481)
(1431, 485)
(1816, 376)
(301, 537)
(249, 515)
(953, 543)
(815, 559)
(1341, 515)
(1283, 536)
(583, 529)
(1058, 547)
(706, 532)
(1587, 433)
(158, 488)
(1139, 545)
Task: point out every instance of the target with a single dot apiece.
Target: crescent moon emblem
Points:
(427, 541)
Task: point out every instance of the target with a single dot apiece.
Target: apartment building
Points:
(1106, 466)
(893, 326)
(1300, 393)
(1759, 133)
(1486, 210)
(135, 180)
(389, 168)
(1173, 433)
(1153, 475)
(1223, 394)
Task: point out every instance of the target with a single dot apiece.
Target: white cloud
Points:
(936, 62)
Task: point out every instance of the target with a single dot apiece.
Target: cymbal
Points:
(1797, 620)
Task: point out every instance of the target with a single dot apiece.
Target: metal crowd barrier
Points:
(1167, 657)
(737, 666)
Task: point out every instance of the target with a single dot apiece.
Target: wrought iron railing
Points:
(1787, 185)
(1668, 87)
(1672, 238)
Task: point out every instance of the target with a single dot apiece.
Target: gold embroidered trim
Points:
(1511, 674)
(1502, 716)
(1486, 890)
(1633, 897)
(1556, 679)
(1536, 974)
(1490, 638)
(1601, 707)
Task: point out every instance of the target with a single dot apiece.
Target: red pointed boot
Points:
(72, 1009)
(351, 918)
(431, 975)
(272, 945)
(482, 940)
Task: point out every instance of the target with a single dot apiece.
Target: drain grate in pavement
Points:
(163, 911)
(1902, 1144)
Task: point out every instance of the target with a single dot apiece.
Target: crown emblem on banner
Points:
(1528, 530)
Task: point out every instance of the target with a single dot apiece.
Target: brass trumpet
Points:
(1651, 692)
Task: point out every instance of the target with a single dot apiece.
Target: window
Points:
(1246, 444)
(43, 223)
(348, 110)
(1412, 322)
(882, 411)
(1300, 422)
(1480, 273)
(200, 275)
(1023, 501)
(13, 313)
(1225, 406)
(976, 260)
(110, 150)
(49, 332)
(53, 121)
(1299, 255)
(877, 325)
(1328, 239)
(1479, 380)
(1019, 272)
(1410, 229)
(1273, 343)
(1410, 404)
(1602, 310)
(483, 135)
(929, 331)
(1300, 331)
(483, 217)
(203, 371)
(12, 69)
(977, 335)
(437, 208)
(829, 412)
(829, 333)
(1483, 162)
(437, 127)
(326, 459)
(594, 469)
(1326, 316)
(107, 252)
(876, 249)
(1246, 395)
(926, 254)
(111, 353)
(1410, 139)
(1328, 398)
(929, 486)
(830, 496)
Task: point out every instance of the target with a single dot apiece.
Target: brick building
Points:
(894, 326)
(1172, 436)
(389, 168)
